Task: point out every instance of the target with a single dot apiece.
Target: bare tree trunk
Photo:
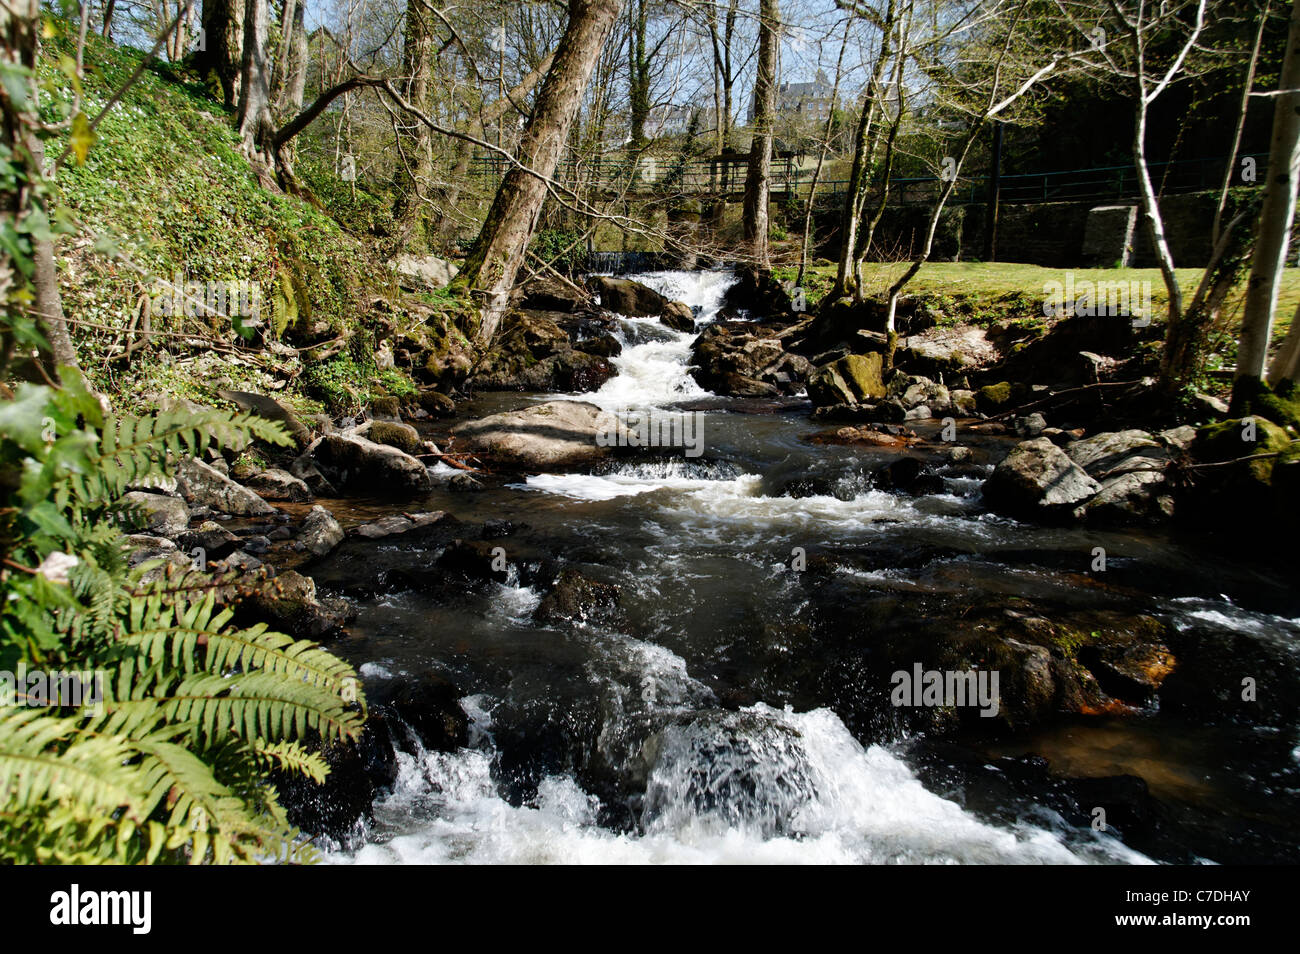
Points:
(280, 77)
(296, 87)
(638, 72)
(758, 173)
(415, 159)
(722, 65)
(864, 150)
(821, 157)
(21, 32)
(223, 53)
(255, 127)
(494, 261)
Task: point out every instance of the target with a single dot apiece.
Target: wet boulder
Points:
(394, 434)
(291, 604)
(276, 484)
(350, 462)
(577, 598)
(760, 293)
(475, 561)
(916, 391)
(204, 485)
(557, 435)
(626, 297)
(430, 705)
(734, 360)
(211, 539)
(1130, 465)
(320, 532)
(547, 293)
(678, 316)
(1038, 479)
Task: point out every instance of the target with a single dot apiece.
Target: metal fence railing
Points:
(725, 175)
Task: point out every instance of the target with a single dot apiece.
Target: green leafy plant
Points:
(167, 761)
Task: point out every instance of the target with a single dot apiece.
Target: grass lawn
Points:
(986, 282)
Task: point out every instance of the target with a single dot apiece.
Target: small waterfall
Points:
(652, 370)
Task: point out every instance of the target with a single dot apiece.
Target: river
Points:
(725, 714)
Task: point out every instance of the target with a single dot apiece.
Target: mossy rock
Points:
(1279, 407)
(402, 436)
(386, 405)
(994, 396)
(437, 403)
(1228, 440)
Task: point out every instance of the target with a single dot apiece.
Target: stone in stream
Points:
(356, 463)
(157, 513)
(320, 532)
(395, 524)
(204, 485)
(1131, 468)
(626, 297)
(290, 603)
(678, 316)
(393, 433)
(1038, 479)
(577, 598)
(556, 435)
(214, 540)
(276, 484)
(739, 360)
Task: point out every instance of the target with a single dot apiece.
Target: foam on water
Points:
(761, 785)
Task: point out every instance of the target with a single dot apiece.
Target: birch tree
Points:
(1274, 239)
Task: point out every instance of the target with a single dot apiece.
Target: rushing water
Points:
(719, 717)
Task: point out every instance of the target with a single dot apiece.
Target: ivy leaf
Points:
(83, 137)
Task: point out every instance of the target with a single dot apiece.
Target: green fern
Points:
(171, 763)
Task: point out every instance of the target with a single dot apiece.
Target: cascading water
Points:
(652, 370)
(666, 733)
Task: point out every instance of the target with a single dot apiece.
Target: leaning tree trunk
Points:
(498, 252)
(758, 172)
(1274, 236)
(223, 52)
